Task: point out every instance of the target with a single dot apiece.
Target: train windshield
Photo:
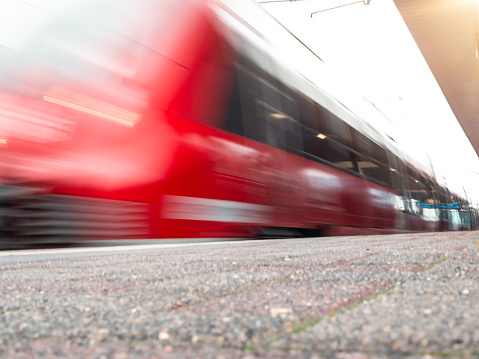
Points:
(100, 46)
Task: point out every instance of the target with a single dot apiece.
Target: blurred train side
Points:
(175, 120)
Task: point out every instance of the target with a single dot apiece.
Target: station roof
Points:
(446, 32)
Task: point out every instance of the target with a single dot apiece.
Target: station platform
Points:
(384, 296)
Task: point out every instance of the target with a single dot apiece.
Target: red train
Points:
(168, 119)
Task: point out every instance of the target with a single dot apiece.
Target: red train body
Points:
(168, 120)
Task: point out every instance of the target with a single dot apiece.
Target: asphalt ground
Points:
(394, 296)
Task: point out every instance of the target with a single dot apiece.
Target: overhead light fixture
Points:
(321, 136)
(365, 2)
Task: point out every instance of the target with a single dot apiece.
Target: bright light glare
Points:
(92, 106)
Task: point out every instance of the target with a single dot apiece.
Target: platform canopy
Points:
(446, 32)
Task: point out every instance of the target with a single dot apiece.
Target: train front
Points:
(86, 118)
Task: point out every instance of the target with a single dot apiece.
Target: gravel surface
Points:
(396, 296)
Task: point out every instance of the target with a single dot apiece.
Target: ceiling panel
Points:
(446, 32)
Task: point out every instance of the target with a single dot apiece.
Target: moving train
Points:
(178, 119)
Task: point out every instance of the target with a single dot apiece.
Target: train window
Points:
(333, 127)
(288, 104)
(418, 191)
(234, 120)
(374, 170)
(322, 120)
(401, 175)
(434, 192)
(445, 196)
(401, 167)
(282, 131)
(274, 120)
(294, 143)
(341, 131)
(255, 126)
(252, 118)
(268, 115)
(380, 154)
(407, 196)
(420, 194)
(413, 174)
(307, 113)
(429, 198)
(323, 148)
(362, 143)
(339, 155)
(396, 179)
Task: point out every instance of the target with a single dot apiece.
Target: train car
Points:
(177, 119)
